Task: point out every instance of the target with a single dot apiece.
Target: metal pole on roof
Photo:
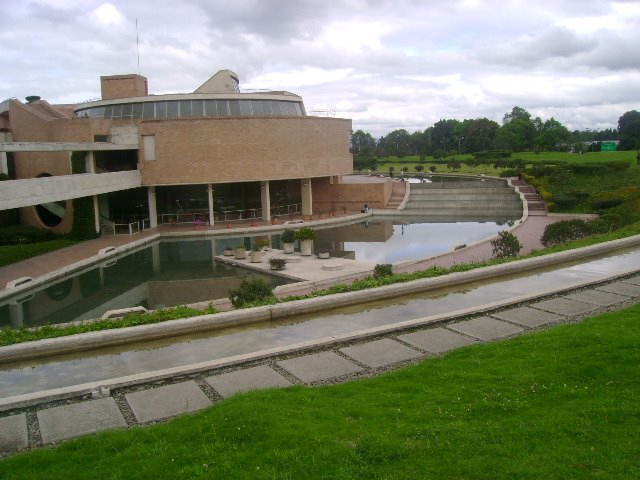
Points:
(138, 46)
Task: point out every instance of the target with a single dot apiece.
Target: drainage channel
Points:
(138, 362)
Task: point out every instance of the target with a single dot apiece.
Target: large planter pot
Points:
(241, 253)
(306, 246)
(256, 256)
(324, 255)
(228, 252)
(288, 247)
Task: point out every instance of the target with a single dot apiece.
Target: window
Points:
(210, 109)
(137, 110)
(148, 110)
(234, 107)
(161, 109)
(117, 111)
(245, 107)
(126, 110)
(275, 107)
(185, 108)
(149, 146)
(223, 107)
(172, 109)
(197, 109)
(256, 107)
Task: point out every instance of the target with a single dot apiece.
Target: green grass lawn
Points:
(15, 253)
(558, 404)
(530, 157)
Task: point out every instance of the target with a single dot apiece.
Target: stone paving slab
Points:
(602, 299)
(527, 317)
(436, 340)
(635, 280)
(621, 288)
(77, 419)
(167, 401)
(13, 432)
(563, 306)
(485, 328)
(254, 378)
(319, 366)
(381, 352)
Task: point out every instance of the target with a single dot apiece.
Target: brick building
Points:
(217, 154)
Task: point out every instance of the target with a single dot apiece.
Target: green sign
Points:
(608, 147)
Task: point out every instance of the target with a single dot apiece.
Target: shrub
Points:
(305, 233)
(250, 290)
(382, 270)
(454, 165)
(24, 234)
(606, 203)
(506, 245)
(433, 169)
(419, 168)
(278, 263)
(405, 169)
(565, 231)
(565, 201)
(288, 236)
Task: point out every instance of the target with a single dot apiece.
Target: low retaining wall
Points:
(89, 341)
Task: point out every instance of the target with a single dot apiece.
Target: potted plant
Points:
(287, 238)
(323, 253)
(263, 244)
(306, 236)
(277, 263)
(240, 252)
(256, 253)
(228, 252)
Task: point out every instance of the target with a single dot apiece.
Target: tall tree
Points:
(553, 137)
(362, 142)
(629, 130)
(517, 131)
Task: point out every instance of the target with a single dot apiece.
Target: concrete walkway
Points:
(310, 365)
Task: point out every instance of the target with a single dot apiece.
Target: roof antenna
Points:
(138, 46)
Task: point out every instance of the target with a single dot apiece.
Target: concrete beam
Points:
(64, 146)
(35, 191)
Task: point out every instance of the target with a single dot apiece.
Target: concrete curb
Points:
(89, 341)
(25, 400)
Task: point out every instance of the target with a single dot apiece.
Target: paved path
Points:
(142, 404)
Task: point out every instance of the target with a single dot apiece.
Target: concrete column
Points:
(90, 162)
(213, 254)
(307, 197)
(96, 213)
(16, 312)
(210, 199)
(153, 211)
(4, 165)
(155, 255)
(265, 200)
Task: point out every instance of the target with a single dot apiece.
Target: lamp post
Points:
(459, 149)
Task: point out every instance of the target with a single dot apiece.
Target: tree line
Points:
(518, 132)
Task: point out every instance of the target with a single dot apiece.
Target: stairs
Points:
(535, 204)
(465, 200)
(397, 195)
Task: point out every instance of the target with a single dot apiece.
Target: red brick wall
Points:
(245, 149)
(352, 196)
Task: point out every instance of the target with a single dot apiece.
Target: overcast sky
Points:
(385, 64)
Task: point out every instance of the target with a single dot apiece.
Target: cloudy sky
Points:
(386, 64)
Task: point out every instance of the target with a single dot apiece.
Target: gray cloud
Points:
(385, 64)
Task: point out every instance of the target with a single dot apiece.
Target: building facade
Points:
(217, 154)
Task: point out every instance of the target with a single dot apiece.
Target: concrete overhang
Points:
(36, 191)
(63, 146)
